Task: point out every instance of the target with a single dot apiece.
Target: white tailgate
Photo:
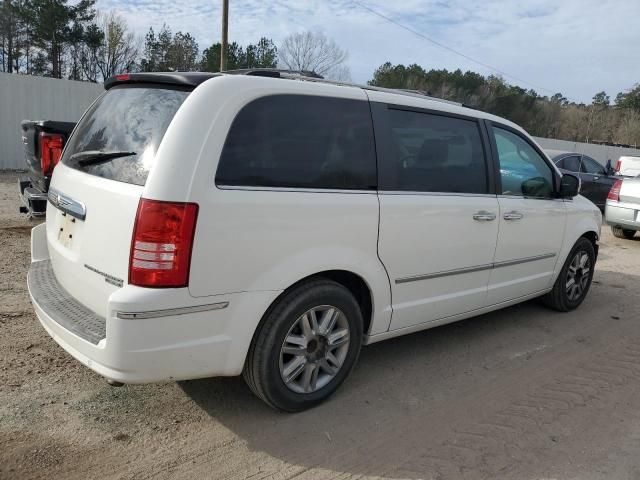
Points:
(90, 257)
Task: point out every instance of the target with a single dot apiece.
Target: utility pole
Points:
(225, 35)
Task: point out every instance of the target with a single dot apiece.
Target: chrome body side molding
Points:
(171, 311)
(477, 268)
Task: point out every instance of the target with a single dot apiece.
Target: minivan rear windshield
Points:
(119, 135)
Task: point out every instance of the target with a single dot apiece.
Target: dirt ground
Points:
(524, 393)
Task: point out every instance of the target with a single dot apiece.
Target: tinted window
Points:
(589, 165)
(300, 141)
(571, 163)
(433, 153)
(522, 170)
(126, 119)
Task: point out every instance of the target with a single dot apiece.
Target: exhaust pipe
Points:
(113, 383)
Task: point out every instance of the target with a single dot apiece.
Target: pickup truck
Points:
(43, 141)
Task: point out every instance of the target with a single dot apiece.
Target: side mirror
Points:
(609, 168)
(569, 186)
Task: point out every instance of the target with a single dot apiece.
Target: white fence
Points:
(37, 98)
(601, 153)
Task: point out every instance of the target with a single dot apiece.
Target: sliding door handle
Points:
(484, 216)
(512, 215)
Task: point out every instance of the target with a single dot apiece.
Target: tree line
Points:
(545, 116)
(55, 39)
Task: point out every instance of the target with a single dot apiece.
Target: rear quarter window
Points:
(300, 141)
(125, 119)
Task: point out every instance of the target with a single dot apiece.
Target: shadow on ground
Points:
(394, 399)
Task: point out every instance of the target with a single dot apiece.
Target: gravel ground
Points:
(524, 393)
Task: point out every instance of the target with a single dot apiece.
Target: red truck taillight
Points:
(50, 151)
(161, 244)
(614, 193)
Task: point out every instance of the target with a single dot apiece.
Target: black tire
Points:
(262, 369)
(559, 298)
(620, 232)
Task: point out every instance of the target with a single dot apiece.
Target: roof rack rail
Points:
(273, 72)
(308, 76)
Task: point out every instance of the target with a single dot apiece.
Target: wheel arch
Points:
(353, 282)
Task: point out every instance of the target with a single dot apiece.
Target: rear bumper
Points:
(34, 200)
(157, 343)
(622, 214)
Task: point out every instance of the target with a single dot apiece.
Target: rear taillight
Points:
(618, 165)
(161, 244)
(614, 193)
(50, 152)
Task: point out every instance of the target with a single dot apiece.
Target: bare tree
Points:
(120, 47)
(314, 52)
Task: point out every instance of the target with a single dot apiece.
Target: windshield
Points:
(125, 119)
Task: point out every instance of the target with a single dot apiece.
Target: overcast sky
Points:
(577, 47)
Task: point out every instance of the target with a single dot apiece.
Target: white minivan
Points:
(270, 224)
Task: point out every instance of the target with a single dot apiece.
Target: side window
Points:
(522, 170)
(572, 163)
(300, 141)
(589, 165)
(433, 153)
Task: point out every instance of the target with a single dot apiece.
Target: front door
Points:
(438, 214)
(595, 177)
(532, 221)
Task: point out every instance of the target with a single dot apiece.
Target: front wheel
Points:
(574, 279)
(306, 346)
(620, 232)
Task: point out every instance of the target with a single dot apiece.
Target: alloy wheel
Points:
(578, 275)
(314, 349)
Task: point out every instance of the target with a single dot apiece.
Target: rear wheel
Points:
(574, 279)
(306, 346)
(622, 232)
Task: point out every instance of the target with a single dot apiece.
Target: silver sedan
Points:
(622, 210)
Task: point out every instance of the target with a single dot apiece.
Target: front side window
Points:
(300, 141)
(433, 153)
(589, 165)
(523, 171)
(571, 163)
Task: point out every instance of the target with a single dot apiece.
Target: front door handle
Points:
(484, 216)
(512, 215)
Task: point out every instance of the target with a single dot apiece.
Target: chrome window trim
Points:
(171, 311)
(437, 194)
(477, 268)
(294, 189)
(524, 197)
(67, 204)
(368, 192)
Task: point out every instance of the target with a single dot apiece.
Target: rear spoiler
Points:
(179, 79)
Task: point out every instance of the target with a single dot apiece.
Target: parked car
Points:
(43, 141)
(596, 179)
(623, 208)
(269, 225)
(628, 166)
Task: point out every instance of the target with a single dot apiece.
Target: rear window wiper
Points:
(93, 157)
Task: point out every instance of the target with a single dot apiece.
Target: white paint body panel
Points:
(426, 234)
(539, 233)
(251, 244)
